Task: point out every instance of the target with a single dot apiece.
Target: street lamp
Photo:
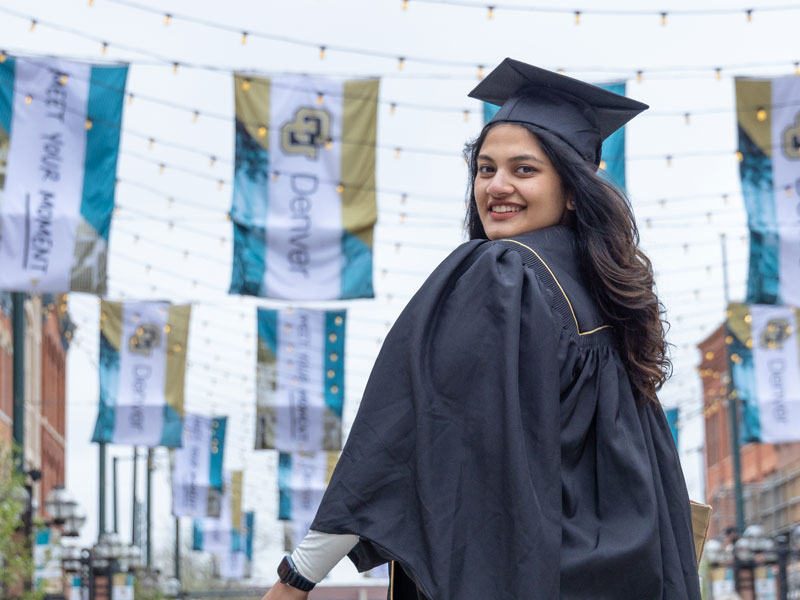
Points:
(75, 522)
(60, 505)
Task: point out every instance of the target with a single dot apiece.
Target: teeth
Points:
(504, 208)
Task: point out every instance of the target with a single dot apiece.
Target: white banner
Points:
(142, 370)
(308, 479)
(785, 125)
(304, 212)
(777, 371)
(191, 473)
(218, 533)
(40, 209)
(300, 401)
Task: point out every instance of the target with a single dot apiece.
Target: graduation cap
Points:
(578, 113)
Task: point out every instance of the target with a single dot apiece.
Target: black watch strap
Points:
(290, 576)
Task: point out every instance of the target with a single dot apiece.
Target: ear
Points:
(570, 202)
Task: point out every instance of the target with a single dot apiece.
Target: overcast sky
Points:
(180, 250)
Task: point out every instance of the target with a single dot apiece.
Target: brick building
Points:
(770, 472)
(47, 333)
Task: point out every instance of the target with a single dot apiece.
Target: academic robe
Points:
(499, 452)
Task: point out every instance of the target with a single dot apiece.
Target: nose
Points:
(499, 185)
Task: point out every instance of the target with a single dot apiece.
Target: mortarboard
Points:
(579, 113)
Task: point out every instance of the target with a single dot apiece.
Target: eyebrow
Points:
(519, 158)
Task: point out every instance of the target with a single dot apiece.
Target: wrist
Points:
(290, 576)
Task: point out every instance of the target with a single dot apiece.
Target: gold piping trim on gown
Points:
(553, 275)
(391, 583)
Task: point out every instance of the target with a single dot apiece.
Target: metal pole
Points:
(782, 550)
(149, 505)
(733, 412)
(114, 483)
(178, 548)
(135, 503)
(101, 525)
(18, 329)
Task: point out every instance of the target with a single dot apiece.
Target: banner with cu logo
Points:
(768, 118)
(304, 203)
(142, 369)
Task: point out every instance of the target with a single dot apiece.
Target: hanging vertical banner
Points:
(59, 140)
(219, 535)
(304, 203)
(768, 117)
(765, 364)
(236, 564)
(612, 165)
(197, 469)
(302, 479)
(300, 380)
(142, 369)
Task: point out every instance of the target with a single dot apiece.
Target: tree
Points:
(16, 561)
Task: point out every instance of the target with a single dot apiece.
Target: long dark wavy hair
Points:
(619, 274)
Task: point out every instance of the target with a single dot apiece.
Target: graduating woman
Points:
(510, 444)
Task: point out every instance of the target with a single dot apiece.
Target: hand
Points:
(281, 591)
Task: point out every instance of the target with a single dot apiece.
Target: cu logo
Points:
(775, 333)
(309, 130)
(146, 338)
(791, 139)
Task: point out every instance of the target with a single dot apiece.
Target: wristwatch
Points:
(290, 575)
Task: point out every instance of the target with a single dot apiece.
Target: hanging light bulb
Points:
(195, 116)
(33, 24)
(321, 52)
(761, 114)
(466, 115)
(339, 188)
(749, 14)
(669, 160)
(275, 175)
(28, 99)
(397, 152)
(262, 131)
(392, 108)
(739, 156)
(167, 19)
(480, 71)
(212, 160)
(328, 144)
(577, 17)
(220, 184)
(3, 56)
(718, 72)
(105, 47)
(175, 68)
(63, 79)
(88, 124)
(130, 98)
(560, 71)
(244, 38)
(797, 68)
(687, 118)
(245, 85)
(639, 76)
(405, 4)
(161, 168)
(491, 12)
(663, 19)
(400, 62)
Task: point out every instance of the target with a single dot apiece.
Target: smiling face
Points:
(517, 189)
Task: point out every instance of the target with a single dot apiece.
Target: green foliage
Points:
(16, 562)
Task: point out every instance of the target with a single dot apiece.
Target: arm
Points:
(316, 555)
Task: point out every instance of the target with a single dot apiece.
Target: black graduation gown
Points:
(499, 452)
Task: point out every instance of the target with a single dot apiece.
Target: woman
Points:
(510, 444)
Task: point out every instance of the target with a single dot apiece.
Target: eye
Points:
(485, 169)
(526, 169)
